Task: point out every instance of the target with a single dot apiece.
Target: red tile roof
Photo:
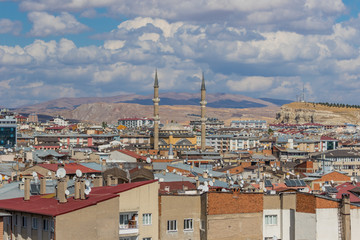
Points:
(51, 207)
(69, 167)
(346, 188)
(132, 154)
(326, 138)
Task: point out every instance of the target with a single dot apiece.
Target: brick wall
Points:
(1, 228)
(324, 203)
(230, 203)
(305, 203)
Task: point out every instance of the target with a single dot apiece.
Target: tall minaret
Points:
(203, 118)
(156, 101)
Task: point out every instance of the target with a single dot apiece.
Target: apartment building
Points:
(249, 124)
(136, 122)
(124, 211)
(180, 216)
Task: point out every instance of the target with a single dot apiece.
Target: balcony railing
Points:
(131, 228)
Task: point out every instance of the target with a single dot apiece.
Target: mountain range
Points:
(180, 107)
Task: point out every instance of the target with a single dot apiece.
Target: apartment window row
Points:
(172, 225)
(23, 220)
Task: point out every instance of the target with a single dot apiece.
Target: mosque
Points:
(174, 136)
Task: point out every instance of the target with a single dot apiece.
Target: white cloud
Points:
(250, 84)
(45, 24)
(8, 26)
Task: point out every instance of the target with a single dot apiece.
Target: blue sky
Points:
(79, 48)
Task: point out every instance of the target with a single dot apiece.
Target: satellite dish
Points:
(241, 185)
(166, 170)
(23, 180)
(87, 191)
(161, 179)
(6, 178)
(206, 183)
(49, 173)
(211, 183)
(323, 188)
(265, 190)
(223, 190)
(231, 182)
(174, 171)
(288, 176)
(277, 168)
(332, 181)
(148, 160)
(67, 192)
(87, 183)
(206, 188)
(274, 169)
(200, 187)
(92, 175)
(242, 182)
(60, 173)
(354, 179)
(78, 173)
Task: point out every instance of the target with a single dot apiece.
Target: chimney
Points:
(42, 185)
(27, 189)
(77, 190)
(82, 190)
(115, 181)
(108, 180)
(98, 181)
(345, 216)
(61, 187)
(205, 174)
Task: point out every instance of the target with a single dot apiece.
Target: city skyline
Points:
(51, 49)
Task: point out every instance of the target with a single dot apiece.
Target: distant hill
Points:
(195, 102)
(222, 105)
(278, 102)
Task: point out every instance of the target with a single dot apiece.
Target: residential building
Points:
(249, 124)
(8, 132)
(136, 122)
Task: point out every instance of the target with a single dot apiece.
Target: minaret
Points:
(203, 118)
(156, 101)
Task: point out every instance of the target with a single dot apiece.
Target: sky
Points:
(52, 49)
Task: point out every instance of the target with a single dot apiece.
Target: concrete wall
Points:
(100, 221)
(180, 207)
(305, 226)
(355, 222)
(327, 224)
(142, 199)
(116, 156)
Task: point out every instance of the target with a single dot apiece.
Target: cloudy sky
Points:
(79, 48)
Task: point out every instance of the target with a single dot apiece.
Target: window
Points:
(148, 238)
(124, 219)
(24, 221)
(270, 219)
(34, 224)
(172, 226)
(52, 225)
(45, 224)
(16, 220)
(202, 224)
(188, 224)
(147, 219)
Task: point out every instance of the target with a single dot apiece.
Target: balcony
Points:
(128, 224)
(129, 229)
